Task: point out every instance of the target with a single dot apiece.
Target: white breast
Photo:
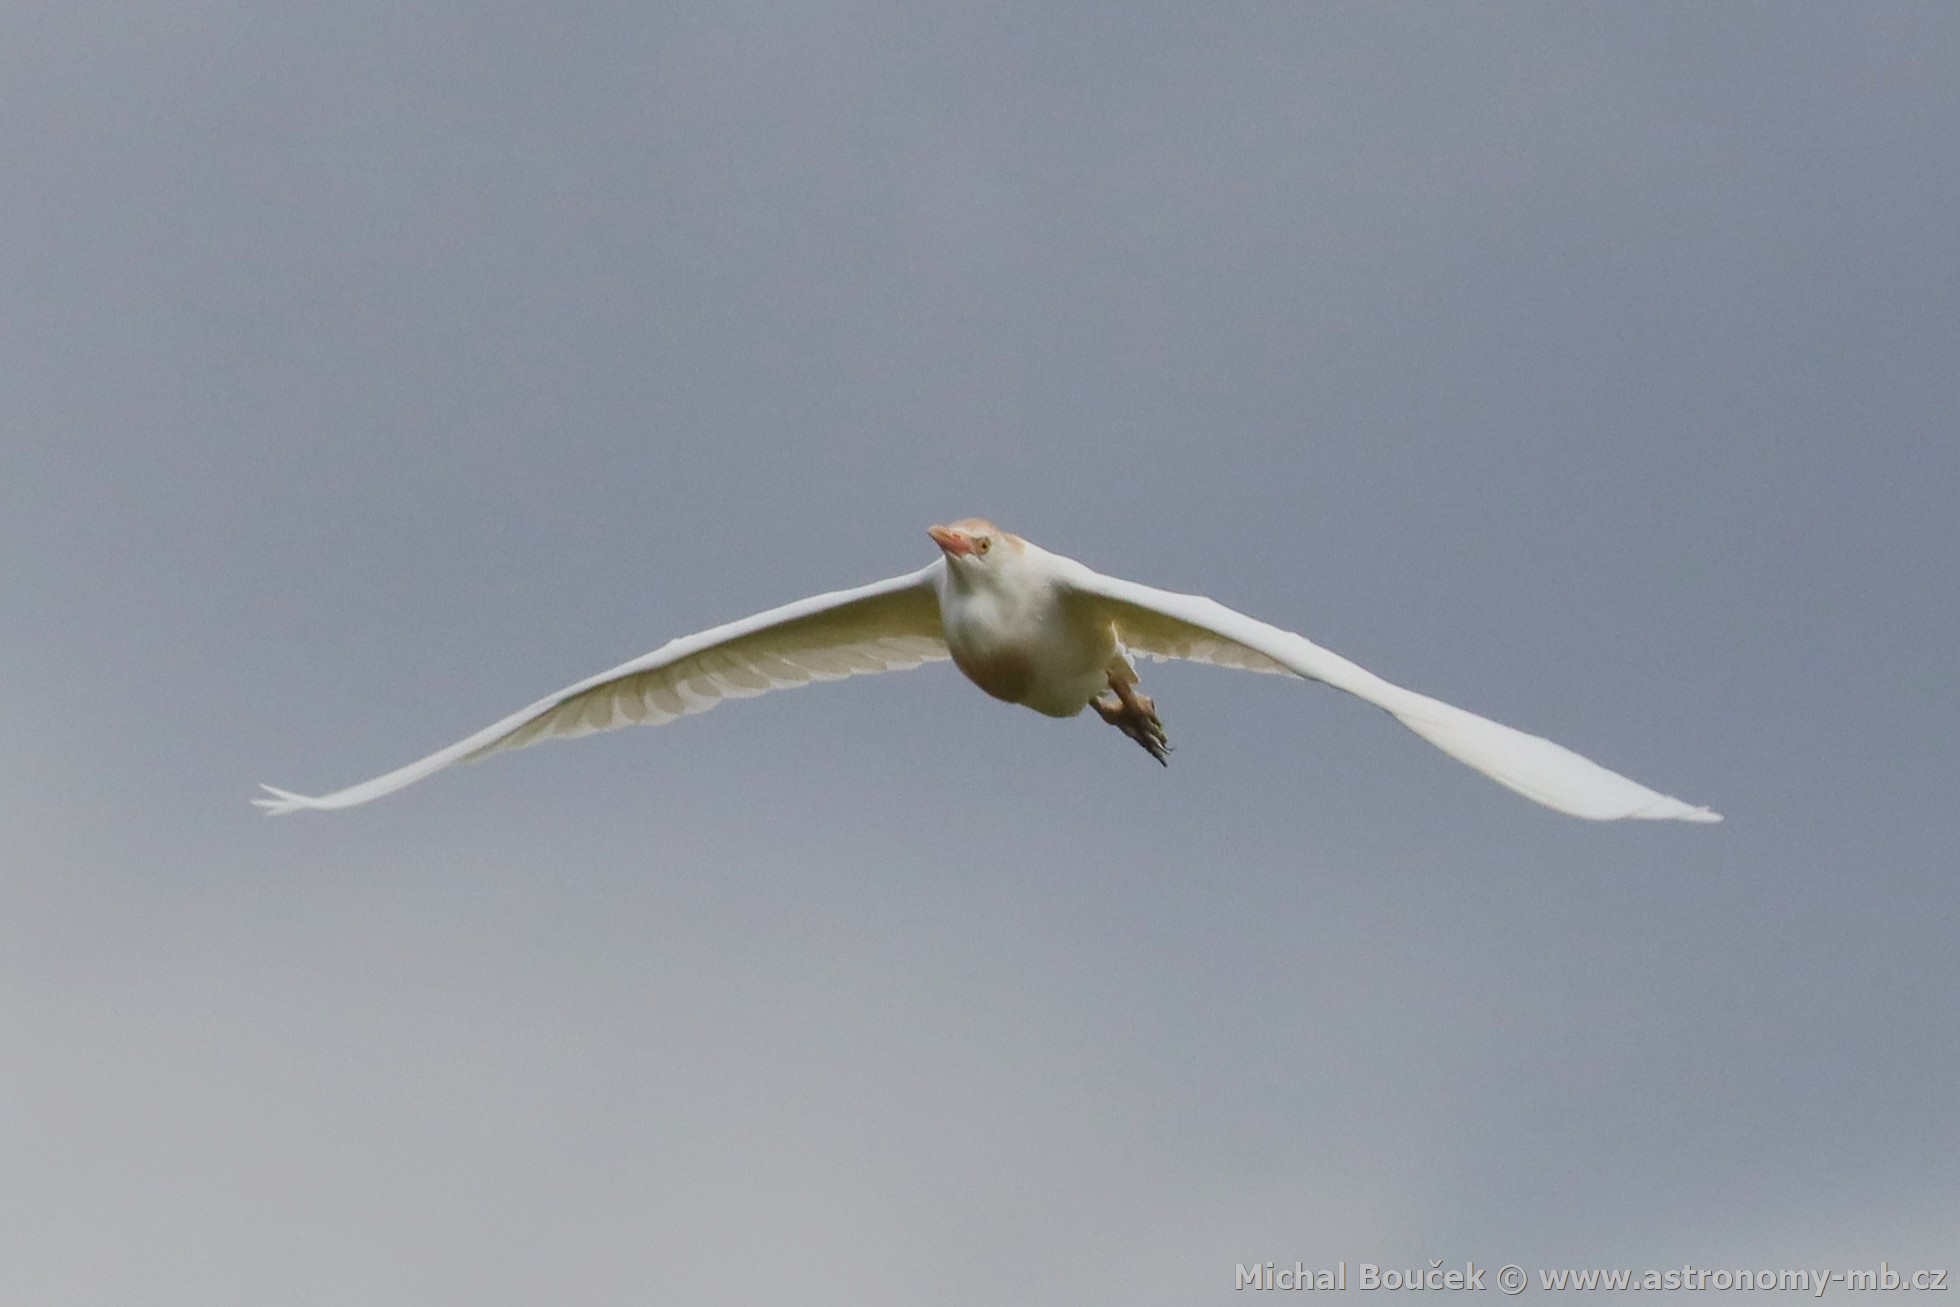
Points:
(1024, 644)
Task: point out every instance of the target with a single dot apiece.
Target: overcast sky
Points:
(370, 370)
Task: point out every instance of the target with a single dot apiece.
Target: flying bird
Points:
(1028, 627)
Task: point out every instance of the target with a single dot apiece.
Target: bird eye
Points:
(984, 543)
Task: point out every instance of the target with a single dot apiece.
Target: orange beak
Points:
(953, 542)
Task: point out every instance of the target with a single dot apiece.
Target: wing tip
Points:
(283, 801)
(1676, 810)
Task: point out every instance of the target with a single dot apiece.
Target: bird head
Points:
(970, 543)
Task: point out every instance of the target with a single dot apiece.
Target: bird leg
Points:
(1131, 713)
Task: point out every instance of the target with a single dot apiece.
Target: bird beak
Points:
(953, 542)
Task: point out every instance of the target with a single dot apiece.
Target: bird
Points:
(1028, 627)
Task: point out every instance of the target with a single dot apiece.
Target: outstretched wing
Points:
(1160, 624)
(882, 627)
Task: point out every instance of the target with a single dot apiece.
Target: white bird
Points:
(1028, 627)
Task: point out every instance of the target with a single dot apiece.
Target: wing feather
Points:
(1160, 624)
(886, 626)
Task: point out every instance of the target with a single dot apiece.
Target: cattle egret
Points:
(1028, 627)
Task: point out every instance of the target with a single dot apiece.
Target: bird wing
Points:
(1160, 624)
(886, 626)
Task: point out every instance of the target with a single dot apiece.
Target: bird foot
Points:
(1136, 716)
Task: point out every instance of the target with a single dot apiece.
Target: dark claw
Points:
(1138, 720)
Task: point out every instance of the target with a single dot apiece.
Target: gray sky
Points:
(370, 370)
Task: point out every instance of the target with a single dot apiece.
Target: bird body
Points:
(1013, 632)
(1028, 627)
